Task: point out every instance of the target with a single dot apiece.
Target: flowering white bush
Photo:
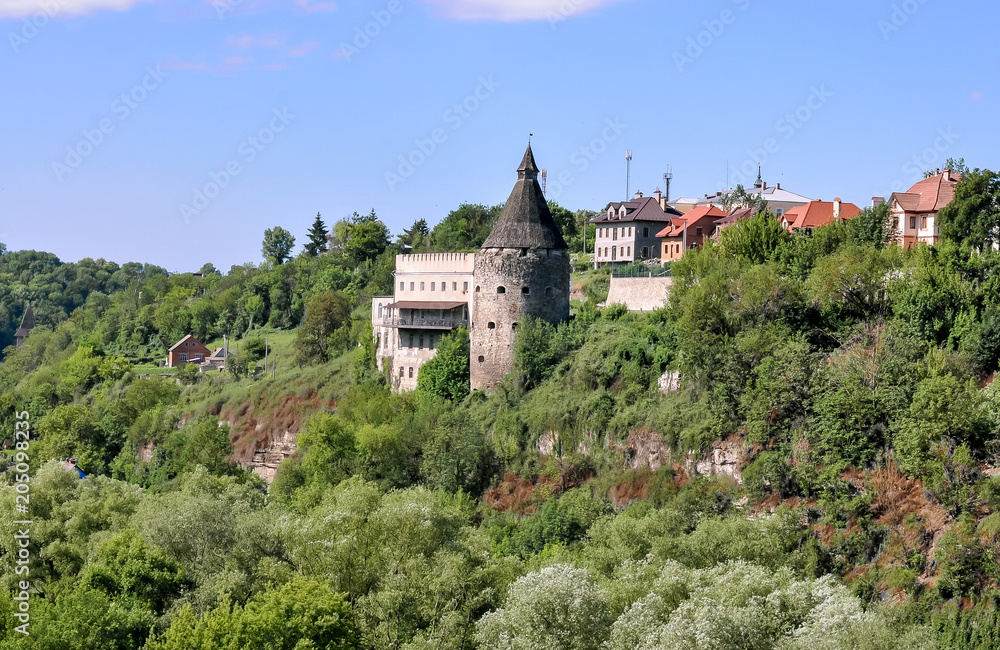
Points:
(557, 608)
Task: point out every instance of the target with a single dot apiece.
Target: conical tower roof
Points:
(27, 322)
(526, 221)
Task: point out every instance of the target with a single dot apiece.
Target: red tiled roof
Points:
(707, 211)
(818, 213)
(930, 194)
(187, 338)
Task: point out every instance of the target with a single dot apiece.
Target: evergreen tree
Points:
(317, 238)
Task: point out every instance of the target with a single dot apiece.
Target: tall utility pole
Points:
(628, 174)
(667, 177)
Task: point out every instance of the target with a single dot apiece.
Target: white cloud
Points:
(514, 10)
(51, 8)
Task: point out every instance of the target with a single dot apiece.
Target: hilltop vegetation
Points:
(854, 379)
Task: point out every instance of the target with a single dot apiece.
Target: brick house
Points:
(187, 350)
(626, 232)
(914, 212)
(689, 231)
(816, 214)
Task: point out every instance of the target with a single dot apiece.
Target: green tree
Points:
(367, 238)
(126, 565)
(416, 236)
(317, 238)
(447, 374)
(278, 245)
(327, 315)
(755, 239)
(740, 198)
(973, 217)
(465, 228)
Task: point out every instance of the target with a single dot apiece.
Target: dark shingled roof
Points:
(526, 221)
(27, 323)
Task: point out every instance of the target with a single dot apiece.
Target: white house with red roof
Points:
(914, 212)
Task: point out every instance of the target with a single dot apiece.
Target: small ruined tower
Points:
(523, 269)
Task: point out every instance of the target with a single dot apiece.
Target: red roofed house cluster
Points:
(653, 228)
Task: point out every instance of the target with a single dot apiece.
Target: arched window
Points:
(501, 289)
(548, 291)
(482, 359)
(525, 291)
(492, 326)
(401, 372)
(478, 289)
(513, 326)
(411, 372)
(380, 310)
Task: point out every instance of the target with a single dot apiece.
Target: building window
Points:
(401, 372)
(614, 253)
(525, 290)
(454, 286)
(465, 286)
(380, 310)
(923, 222)
(482, 359)
(501, 290)
(913, 223)
(645, 252)
(421, 341)
(548, 291)
(614, 234)
(432, 285)
(184, 357)
(645, 232)
(478, 289)
(780, 211)
(411, 372)
(421, 286)
(422, 314)
(697, 232)
(492, 326)
(402, 286)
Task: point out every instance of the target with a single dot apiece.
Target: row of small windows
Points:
(525, 291)
(493, 326)
(435, 286)
(613, 233)
(410, 340)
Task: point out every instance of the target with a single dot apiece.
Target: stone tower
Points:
(523, 269)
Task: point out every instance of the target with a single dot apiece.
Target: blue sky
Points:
(176, 132)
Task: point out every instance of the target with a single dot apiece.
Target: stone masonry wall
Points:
(640, 294)
(534, 282)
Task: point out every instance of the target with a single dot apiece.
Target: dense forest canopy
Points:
(852, 379)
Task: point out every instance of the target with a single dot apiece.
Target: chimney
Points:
(947, 175)
(638, 194)
(657, 195)
(877, 201)
(777, 186)
(836, 209)
(763, 185)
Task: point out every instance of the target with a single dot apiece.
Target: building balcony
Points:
(416, 323)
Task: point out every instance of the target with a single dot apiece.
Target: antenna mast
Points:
(667, 177)
(628, 174)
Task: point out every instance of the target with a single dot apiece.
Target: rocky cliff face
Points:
(266, 460)
(646, 449)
